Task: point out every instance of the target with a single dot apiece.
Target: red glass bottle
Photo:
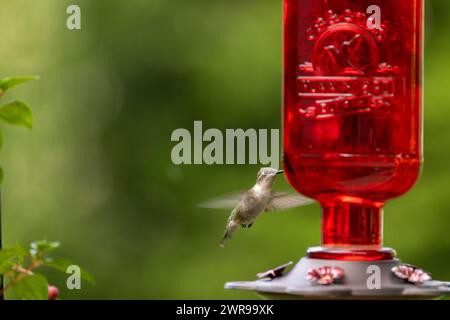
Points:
(352, 114)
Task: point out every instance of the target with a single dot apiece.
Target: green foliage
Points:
(18, 265)
(41, 249)
(8, 83)
(11, 256)
(17, 112)
(32, 287)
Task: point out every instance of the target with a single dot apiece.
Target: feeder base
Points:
(358, 282)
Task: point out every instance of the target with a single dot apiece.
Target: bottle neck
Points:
(352, 224)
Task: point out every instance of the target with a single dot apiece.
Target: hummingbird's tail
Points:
(231, 228)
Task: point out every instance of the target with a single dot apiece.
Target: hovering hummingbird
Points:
(249, 205)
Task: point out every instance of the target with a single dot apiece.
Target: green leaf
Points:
(6, 266)
(8, 83)
(42, 247)
(32, 287)
(17, 113)
(2, 175)
(12, 252)
(62, 264)
(10, 256)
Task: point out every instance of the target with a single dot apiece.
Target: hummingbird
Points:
(249, 205)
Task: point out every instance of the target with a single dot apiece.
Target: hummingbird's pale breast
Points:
(257, 201)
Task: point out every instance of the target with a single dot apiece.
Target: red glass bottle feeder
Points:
(352, 141)
(352, 114)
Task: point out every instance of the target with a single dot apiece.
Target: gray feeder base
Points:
(294, 285)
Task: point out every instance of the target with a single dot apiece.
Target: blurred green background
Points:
(96, 172)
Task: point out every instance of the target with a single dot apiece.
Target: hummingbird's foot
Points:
(250, 225)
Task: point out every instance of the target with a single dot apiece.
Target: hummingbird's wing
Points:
(228, 201)
(286, 200)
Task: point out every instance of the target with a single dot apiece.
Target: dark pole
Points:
(1, 246)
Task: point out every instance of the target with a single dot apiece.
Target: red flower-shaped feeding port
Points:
(411, 274)
(325, 275)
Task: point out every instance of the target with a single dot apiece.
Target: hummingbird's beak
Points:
(280, 171)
